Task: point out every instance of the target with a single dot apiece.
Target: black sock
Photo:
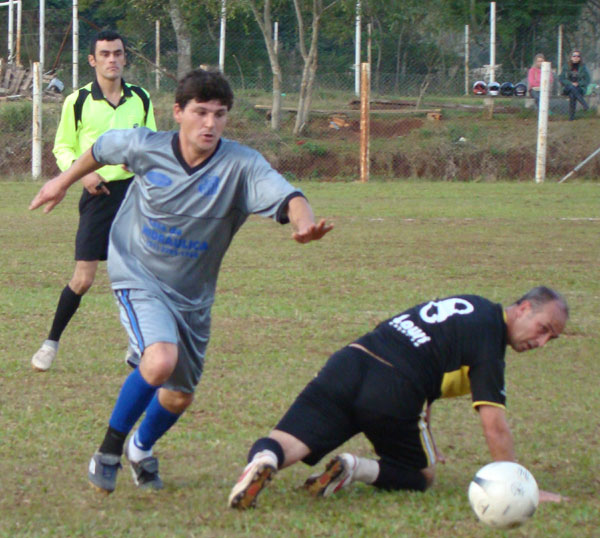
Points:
(113, 442)
(67, 306)
(266, 443)
(395, 477)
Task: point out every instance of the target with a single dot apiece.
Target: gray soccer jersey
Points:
(176, 222)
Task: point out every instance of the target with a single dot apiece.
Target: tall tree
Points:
(265, 24)
(310, 58)
(184, 39)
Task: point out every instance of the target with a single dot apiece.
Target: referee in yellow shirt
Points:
(106, 103)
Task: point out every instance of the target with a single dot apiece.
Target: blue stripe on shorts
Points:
(123, 297)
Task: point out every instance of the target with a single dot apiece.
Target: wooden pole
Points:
(559, 56)
(357, 36)
(36, 127)
(19, 23)
(157, 54)
(492, 42)
(75, 47)
(364, 121)
(540, 164)
(466, 59)
(222, 36)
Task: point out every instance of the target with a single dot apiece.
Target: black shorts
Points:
(353, 393)
(96, 215)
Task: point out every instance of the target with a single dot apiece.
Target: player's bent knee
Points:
(158, 362)
(81, 285)
(429, 474)
(83, 276)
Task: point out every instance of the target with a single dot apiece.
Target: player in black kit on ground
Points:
(383, 384)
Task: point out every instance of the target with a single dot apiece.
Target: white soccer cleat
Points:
(257, 474)
(43, 358)
(338, 474)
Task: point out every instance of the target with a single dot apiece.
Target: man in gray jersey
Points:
(191, 193)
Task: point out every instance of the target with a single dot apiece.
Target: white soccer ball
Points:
(503, 494)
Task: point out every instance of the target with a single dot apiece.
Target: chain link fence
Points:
(425, 120)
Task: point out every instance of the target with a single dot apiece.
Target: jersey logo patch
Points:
(158, 179)
(440, 311)
(209, 185)
(415, 334)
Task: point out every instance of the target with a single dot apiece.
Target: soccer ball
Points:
(503, 494)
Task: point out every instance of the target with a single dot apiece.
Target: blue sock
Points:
(156, 423)
(133, 399)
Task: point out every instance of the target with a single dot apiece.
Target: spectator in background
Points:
(575, 78)
(534, 78)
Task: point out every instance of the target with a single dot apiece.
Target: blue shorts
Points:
(149, 318)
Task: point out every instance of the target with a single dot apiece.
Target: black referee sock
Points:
(68, 304)
(113, 442)
(266, 443)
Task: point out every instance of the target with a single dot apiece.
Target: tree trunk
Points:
(397, 74)
(184, 40)
(310, 64)
(264, 23)
(276, 106)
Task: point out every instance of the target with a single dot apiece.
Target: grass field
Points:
(281, 309)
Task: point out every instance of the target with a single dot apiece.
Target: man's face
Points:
(201, 125)
(108, 60)
(534, 328)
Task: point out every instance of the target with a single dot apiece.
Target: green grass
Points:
(281, 309)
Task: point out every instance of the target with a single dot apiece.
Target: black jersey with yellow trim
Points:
(447, 347)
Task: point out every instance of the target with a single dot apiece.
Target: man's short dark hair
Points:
(541, 295)
(105, 35)
(204, 85)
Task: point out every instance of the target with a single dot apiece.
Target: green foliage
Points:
(15, 117)
(314, 148)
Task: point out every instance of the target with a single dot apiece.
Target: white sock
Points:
(51, 343)
(134, 452)
(367, 470)
(267, 453)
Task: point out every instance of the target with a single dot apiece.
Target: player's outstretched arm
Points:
(303, 221)
(500, 442)
(497, 433)
(53, 191)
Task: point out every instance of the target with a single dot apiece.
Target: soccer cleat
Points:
(257, 474)
(338, 474)
(43, 358)
(145, 472)
(102, 471)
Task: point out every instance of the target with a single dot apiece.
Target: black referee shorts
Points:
(96, 215)
(353, 393)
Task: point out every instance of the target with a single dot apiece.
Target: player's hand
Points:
(94, 184)
(439, 456)
(51, 193)
(312, 232)
(549, 497)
